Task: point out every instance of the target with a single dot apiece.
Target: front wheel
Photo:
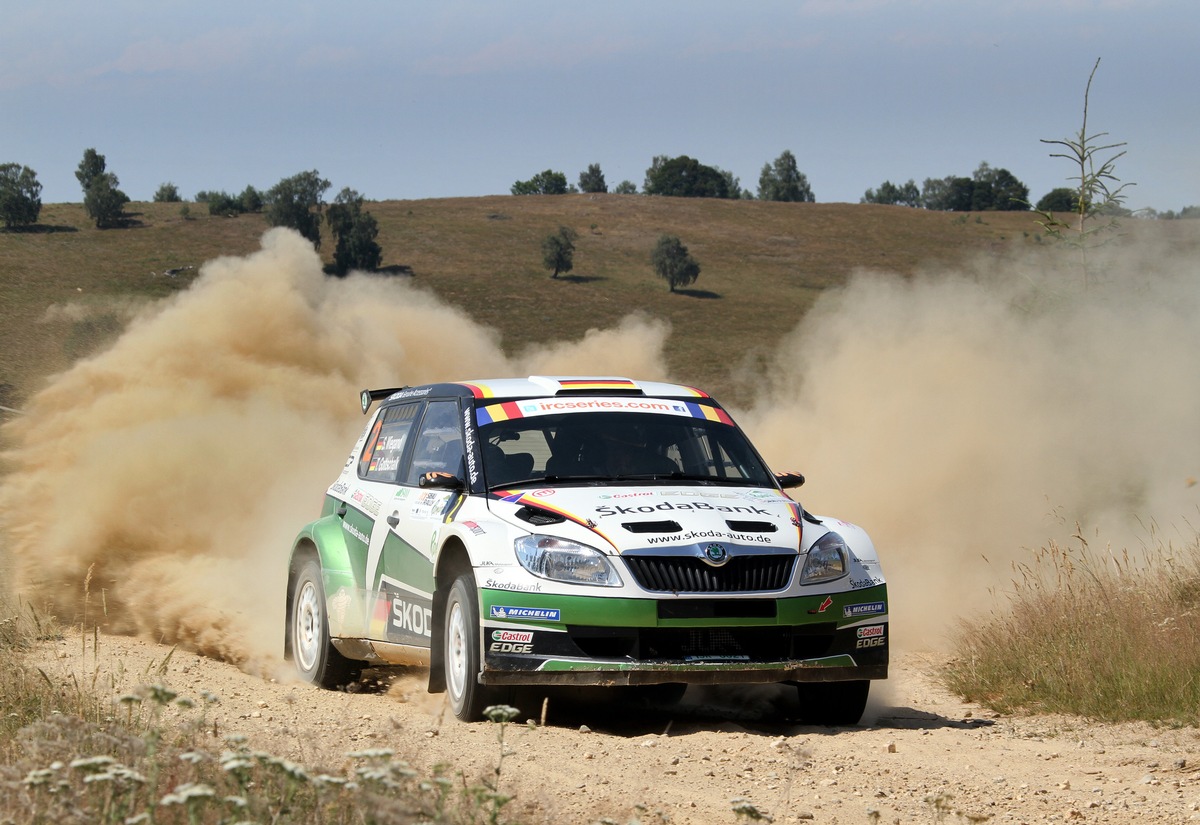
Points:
(837, 704)
(317, 660)
(460, 658)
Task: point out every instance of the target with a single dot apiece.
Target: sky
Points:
(414, 99)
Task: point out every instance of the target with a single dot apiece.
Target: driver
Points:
(627, 451)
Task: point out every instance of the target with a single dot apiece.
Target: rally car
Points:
(579, 531)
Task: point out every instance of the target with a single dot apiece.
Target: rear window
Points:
(380, 460)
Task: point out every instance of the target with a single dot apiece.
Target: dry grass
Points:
(1103, 635)
(763, 265)
(68, 757)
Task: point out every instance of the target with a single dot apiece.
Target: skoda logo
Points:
(716, 555)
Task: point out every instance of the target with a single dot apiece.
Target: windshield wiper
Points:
(550, 479)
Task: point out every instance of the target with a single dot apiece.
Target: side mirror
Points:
(441, 481)
(789, 480)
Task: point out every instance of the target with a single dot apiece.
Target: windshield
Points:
(617, 446)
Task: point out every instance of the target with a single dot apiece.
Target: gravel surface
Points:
(920, 755)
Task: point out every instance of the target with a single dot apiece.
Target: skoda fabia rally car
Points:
(579, 531)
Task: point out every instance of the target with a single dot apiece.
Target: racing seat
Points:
(503, 468)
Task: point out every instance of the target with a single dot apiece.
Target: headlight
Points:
(826, 560)
(565, 561)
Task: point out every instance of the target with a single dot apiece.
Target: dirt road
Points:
(919, 756)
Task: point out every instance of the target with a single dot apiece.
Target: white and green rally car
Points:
(579, 531)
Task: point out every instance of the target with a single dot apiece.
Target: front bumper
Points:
(546, 639)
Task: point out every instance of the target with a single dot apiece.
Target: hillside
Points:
(763, 265)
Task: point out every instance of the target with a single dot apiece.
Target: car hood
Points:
(645, 517)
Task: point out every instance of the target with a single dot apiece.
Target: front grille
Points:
(687, 574)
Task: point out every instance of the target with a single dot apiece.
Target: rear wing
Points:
(369, 397)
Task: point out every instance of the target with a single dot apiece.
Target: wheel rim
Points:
(307, 628)
(458, 654)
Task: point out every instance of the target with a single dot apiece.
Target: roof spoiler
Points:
(369, 397)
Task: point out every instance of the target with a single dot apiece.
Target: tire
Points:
(835, 704)
(317, 660)
(460, 656)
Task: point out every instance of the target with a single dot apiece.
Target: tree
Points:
(734, 185)
(548, 182)
(890, 194)
(673, 263)
(558, 250)
(1061, 199)
(252, 199)
(355, 231)
(783, 181)
(998, 190)
(656, 165)
(685, 177)
(223, 204)
(296, 202)
(592, 180)
(20, 195)
(90, 168)
(167, 193)
(949, 194)
(102, 200)
(625, 187)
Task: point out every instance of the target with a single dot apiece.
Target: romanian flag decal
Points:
(711, 413)
(498, 412)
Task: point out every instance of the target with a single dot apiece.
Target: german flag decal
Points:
(577, 385)
(480, 390)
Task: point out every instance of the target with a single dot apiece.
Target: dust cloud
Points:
(968, 418)
(155, 488)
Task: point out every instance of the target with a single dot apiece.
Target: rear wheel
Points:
(460, 657)
(317, 660)
(837, 704)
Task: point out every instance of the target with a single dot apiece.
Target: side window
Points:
(438, 446)
(381, 455)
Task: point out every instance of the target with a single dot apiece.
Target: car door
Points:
(379, 468)
(408, 530)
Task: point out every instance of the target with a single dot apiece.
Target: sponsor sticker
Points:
(417, 393)
(523, 587)
(865, 609)
(605, 510)
(870, 631)
(367, 503)
(469, 445)
(411, 618)
(523, 636)
(545, 614)
(354, 531)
